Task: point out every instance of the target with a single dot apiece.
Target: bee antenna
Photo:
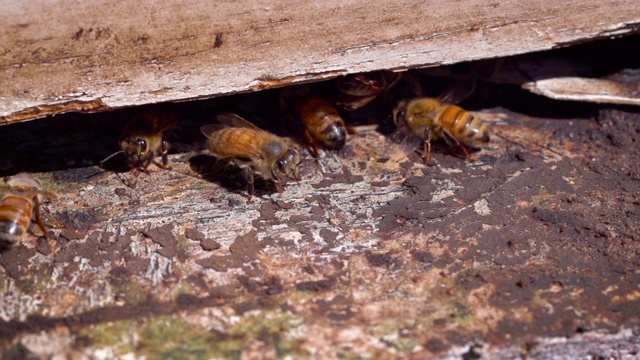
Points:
(94, 174)
(110, 156)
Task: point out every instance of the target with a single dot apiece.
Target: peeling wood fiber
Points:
(60, 55)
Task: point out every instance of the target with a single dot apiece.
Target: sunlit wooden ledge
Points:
(58, 56)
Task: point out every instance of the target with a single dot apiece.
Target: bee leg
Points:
(165, 155)
(248, 175)
(350, 129)
(37, 216)
(228, 164)
(277, 181)
(466, 153)
(462, 147)
(48, 197)
(279, 186)
(295, 174)
(426, 154)
(140, 161)
(57, 224)
(142, 165)
(312, 148)
(164, 167)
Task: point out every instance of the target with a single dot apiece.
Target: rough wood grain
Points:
(59, 55)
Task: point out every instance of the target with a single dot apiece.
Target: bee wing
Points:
(208, 130)
(408, 141)
(457, 92)
(355, 84)
(234, 120)
(249, 148)
(368, 84)
(392, 78)
(351, 102)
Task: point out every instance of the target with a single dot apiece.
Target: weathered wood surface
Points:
(59, 55)
(594, 90)
(364, 257)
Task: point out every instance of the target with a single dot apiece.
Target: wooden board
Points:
(60, 55)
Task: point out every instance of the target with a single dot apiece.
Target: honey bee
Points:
(143, 139)
(425, 119)
(323, 126)
(252, 149)
(358, 90)
(21, 205)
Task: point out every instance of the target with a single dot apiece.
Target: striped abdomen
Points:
(323, 122)
(15, 217)
(462, 125)
(235, 142)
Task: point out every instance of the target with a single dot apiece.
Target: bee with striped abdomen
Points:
(252, 149)
(425, 119)
(20, 206)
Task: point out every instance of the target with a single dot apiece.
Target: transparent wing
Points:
(457, 92)
(234, 120)
(406, 140)
(208, 130)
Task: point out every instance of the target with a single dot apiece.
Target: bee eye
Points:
(143, 145)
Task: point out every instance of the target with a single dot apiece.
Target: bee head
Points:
(286, 164)
(400, 111)
(134, 148)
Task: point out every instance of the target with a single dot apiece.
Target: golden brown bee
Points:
(254, 150)
(322, 124)
(143, 139)
(19, 206)
(357, 90)
(425, 119)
